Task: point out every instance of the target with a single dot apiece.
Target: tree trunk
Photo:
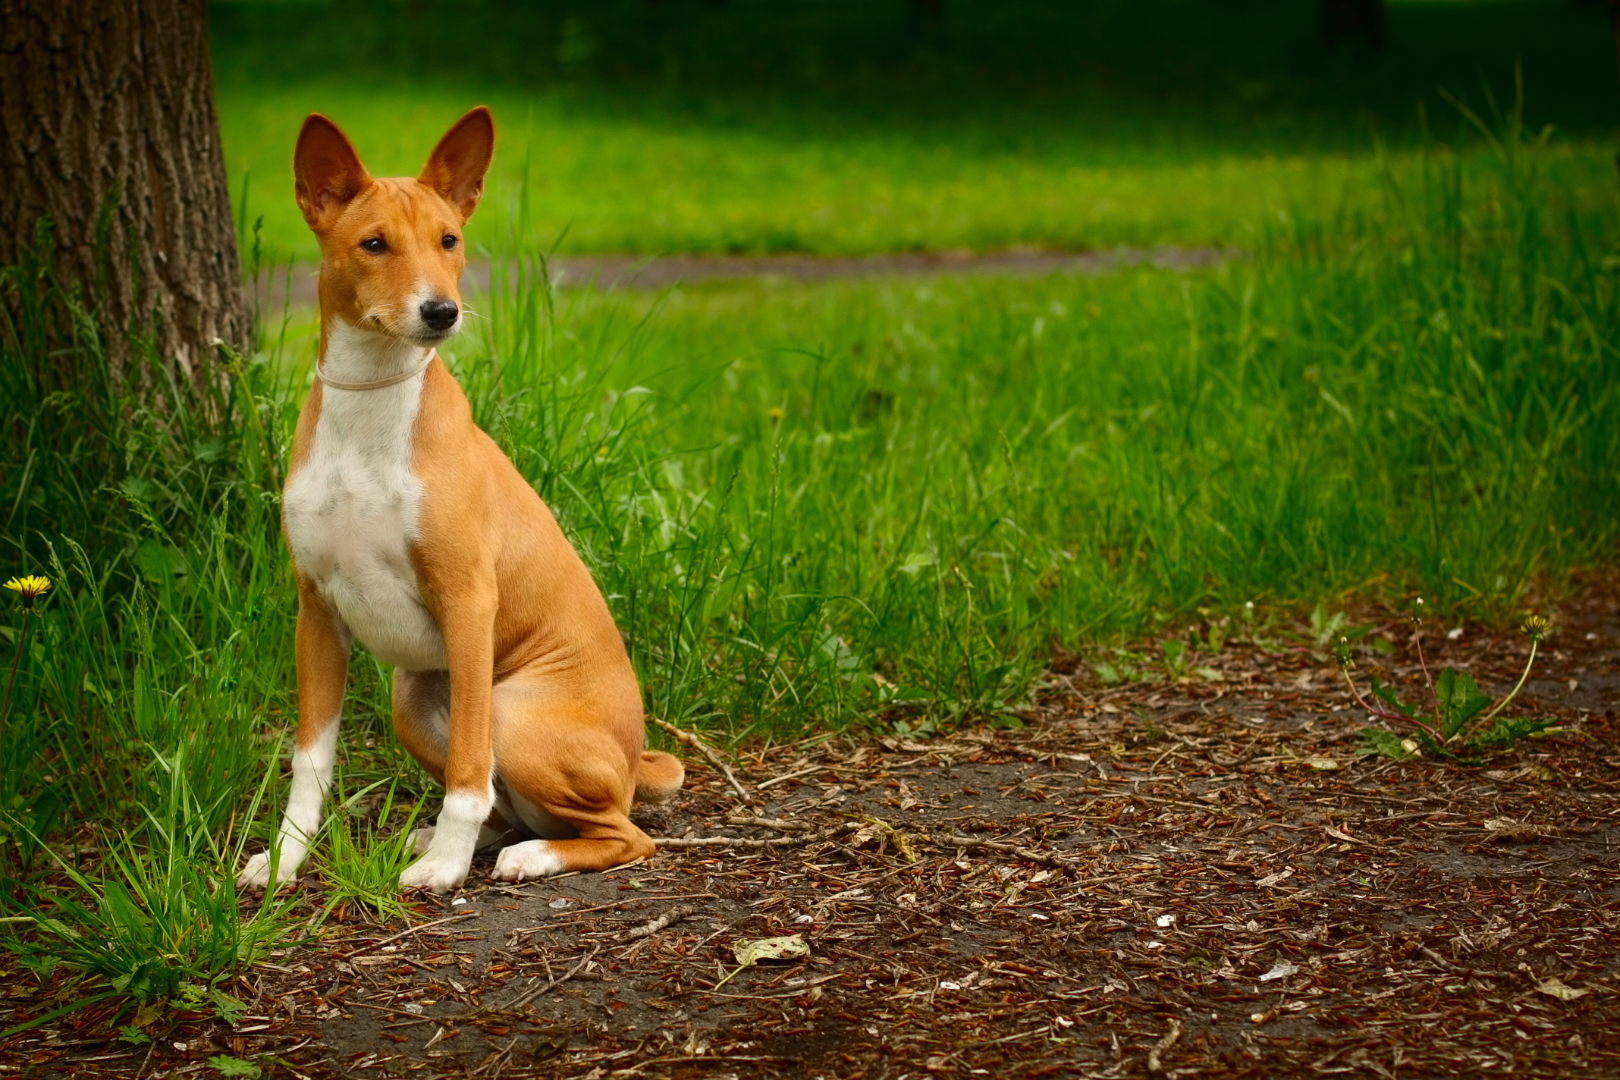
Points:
(1353, 20)
(108, 129)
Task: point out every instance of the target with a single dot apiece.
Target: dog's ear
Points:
(457, 165)
(326, 171)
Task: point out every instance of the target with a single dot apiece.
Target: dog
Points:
(412, 533)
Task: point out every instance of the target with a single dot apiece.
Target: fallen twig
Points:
(707, 751)
(780, 824)
(652, 926)
(529, 995)
(785, 777)
(1029, 854)
(740, 842)
(405, 933)
(1459, 970)
(1153, 1063)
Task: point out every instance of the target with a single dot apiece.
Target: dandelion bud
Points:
(1343, 652)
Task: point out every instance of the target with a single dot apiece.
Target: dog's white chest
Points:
(352, 508)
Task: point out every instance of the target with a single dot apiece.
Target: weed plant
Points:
(811, 507)
(1457, 722)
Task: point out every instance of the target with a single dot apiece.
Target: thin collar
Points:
(376, 384)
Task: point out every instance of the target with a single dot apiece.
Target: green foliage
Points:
(831, 127)
(1508, 730)
(1389, 744)
(235, 1067)
(1460, 701)
(846, 495)
(161, 919)
(1180, 659)
(360, 858)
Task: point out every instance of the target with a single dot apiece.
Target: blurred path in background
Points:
(651, 272)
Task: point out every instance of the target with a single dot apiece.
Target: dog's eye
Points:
(449, 242)
(374, 244)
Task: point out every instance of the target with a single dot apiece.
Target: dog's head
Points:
(391, 249)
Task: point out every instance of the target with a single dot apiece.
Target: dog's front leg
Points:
(468, 624)
(322, 647)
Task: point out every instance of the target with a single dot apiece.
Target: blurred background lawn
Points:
(857, 126)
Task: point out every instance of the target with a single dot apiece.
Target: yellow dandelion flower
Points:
(774, 413)
(29, 588)
(1535, 627)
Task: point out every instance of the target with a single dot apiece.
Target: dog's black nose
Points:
(439, 314)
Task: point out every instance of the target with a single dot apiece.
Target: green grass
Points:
(831, 127)
(364, 846)
(839, 506)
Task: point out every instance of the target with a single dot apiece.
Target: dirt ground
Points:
(1180, 878)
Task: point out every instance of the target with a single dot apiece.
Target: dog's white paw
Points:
(256, 874)
(528, 860)
(435, 873)
(421, 839)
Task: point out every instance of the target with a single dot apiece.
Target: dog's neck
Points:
(350, 354)
(376, 422)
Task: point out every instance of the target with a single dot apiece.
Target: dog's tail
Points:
(659, 777)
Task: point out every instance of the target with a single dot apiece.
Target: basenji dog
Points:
(412, 533)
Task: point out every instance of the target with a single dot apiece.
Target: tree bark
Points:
(108, 130)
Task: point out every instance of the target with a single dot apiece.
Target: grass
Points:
(839, 506)
(837, 127)
(363, 848)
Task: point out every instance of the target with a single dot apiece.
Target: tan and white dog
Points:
(412, 532)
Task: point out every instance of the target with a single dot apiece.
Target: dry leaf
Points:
(1502, 828)
(869, 833)
(1559, 989)
(753, 950)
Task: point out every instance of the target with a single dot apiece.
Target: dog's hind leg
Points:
(572, 779)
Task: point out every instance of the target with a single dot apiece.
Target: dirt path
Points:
(1146, 880)
(661, 272)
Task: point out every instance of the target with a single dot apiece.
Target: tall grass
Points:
(811, 507)
(821, 505)
(135, 753)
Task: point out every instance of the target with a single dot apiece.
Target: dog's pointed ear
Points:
(457, 165)
(326, 171)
